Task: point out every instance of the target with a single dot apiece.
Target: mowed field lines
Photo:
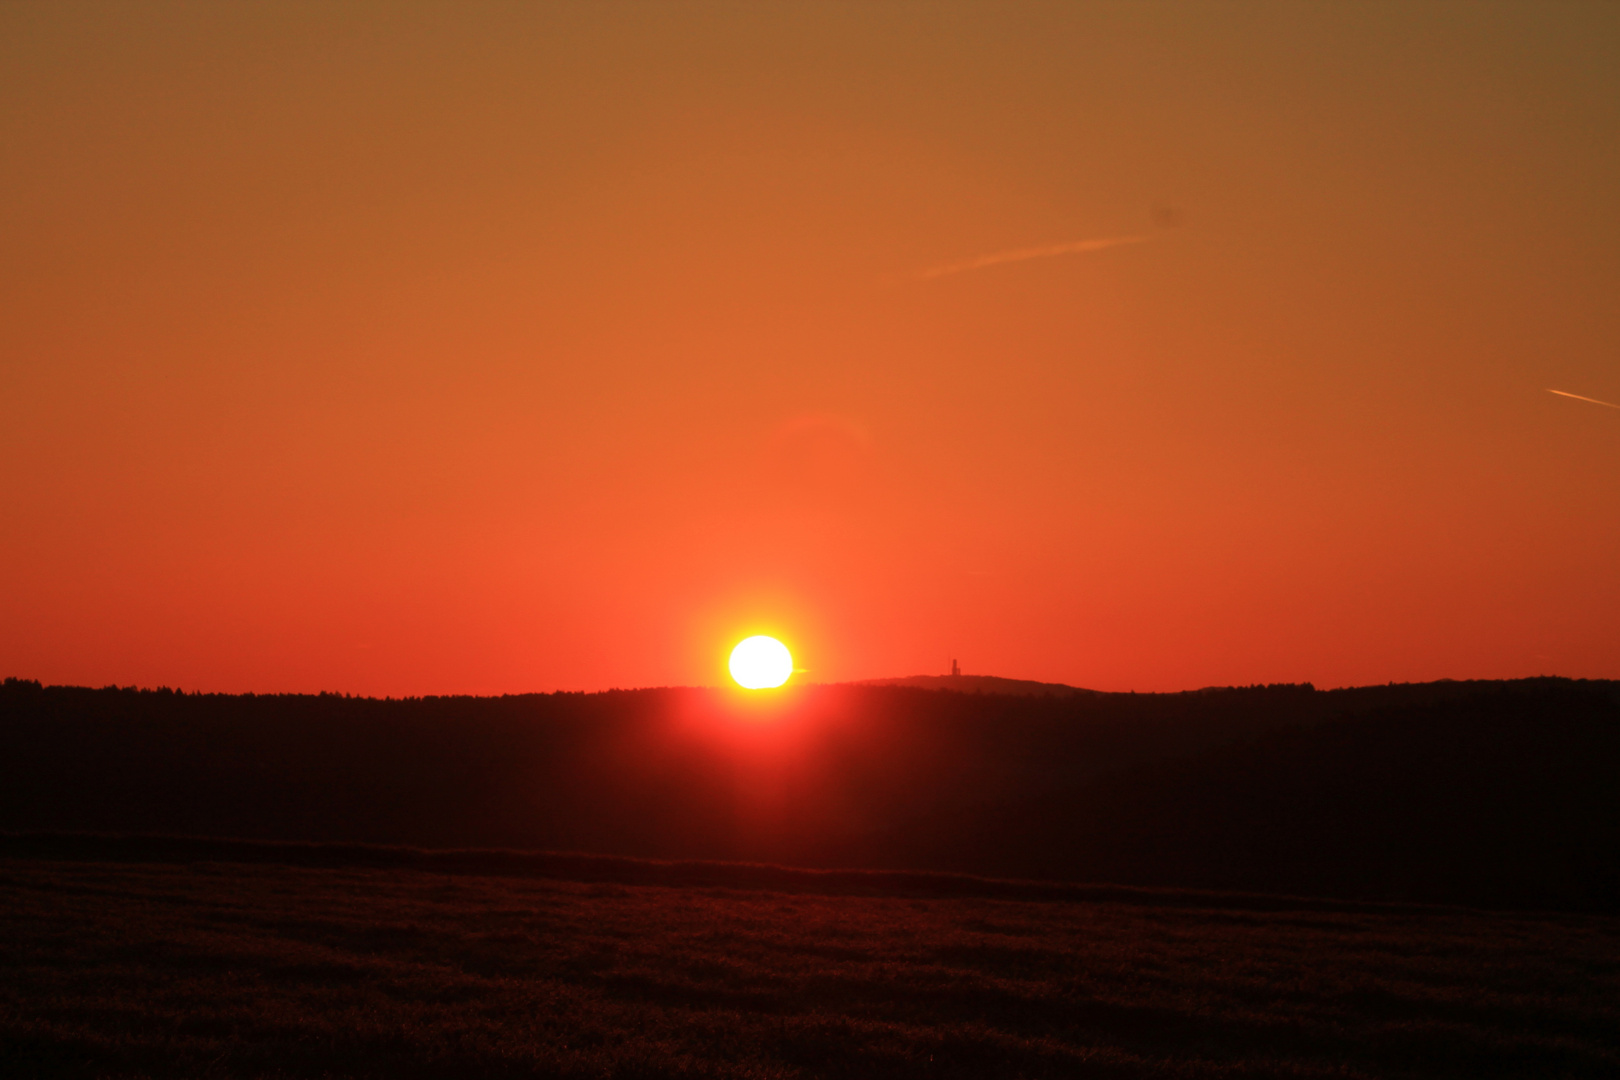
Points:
(226, 970)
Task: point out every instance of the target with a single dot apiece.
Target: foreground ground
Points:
(272, 971)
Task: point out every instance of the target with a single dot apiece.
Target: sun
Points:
(760, 663)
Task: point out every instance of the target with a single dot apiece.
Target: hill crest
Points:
(983, 684)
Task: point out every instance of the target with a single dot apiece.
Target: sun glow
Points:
(760, 663)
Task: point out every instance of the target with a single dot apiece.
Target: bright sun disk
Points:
(760, 662)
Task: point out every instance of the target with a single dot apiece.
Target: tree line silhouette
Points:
(1497, 794)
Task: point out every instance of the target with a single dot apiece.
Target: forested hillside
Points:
(1496, 794)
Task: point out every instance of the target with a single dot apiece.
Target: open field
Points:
(234, 969)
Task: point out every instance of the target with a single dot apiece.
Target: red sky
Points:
(483, 348)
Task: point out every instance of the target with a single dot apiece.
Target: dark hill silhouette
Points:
(982, 684)
(1493, 794)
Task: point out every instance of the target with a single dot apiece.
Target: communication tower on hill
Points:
(956, 669)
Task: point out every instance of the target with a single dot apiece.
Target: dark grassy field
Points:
(235, 969)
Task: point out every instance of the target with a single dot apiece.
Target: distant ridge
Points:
(985, 684)
(1487, 794)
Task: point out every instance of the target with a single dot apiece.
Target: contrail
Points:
(1070, 248)
(1579, 397)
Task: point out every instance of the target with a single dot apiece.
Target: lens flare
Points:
(760, 663)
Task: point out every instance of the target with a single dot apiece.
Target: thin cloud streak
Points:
(1073, 247)
(1579, 397)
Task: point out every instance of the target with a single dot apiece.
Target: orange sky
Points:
(481, 348)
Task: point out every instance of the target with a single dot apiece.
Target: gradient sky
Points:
(421, 348)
